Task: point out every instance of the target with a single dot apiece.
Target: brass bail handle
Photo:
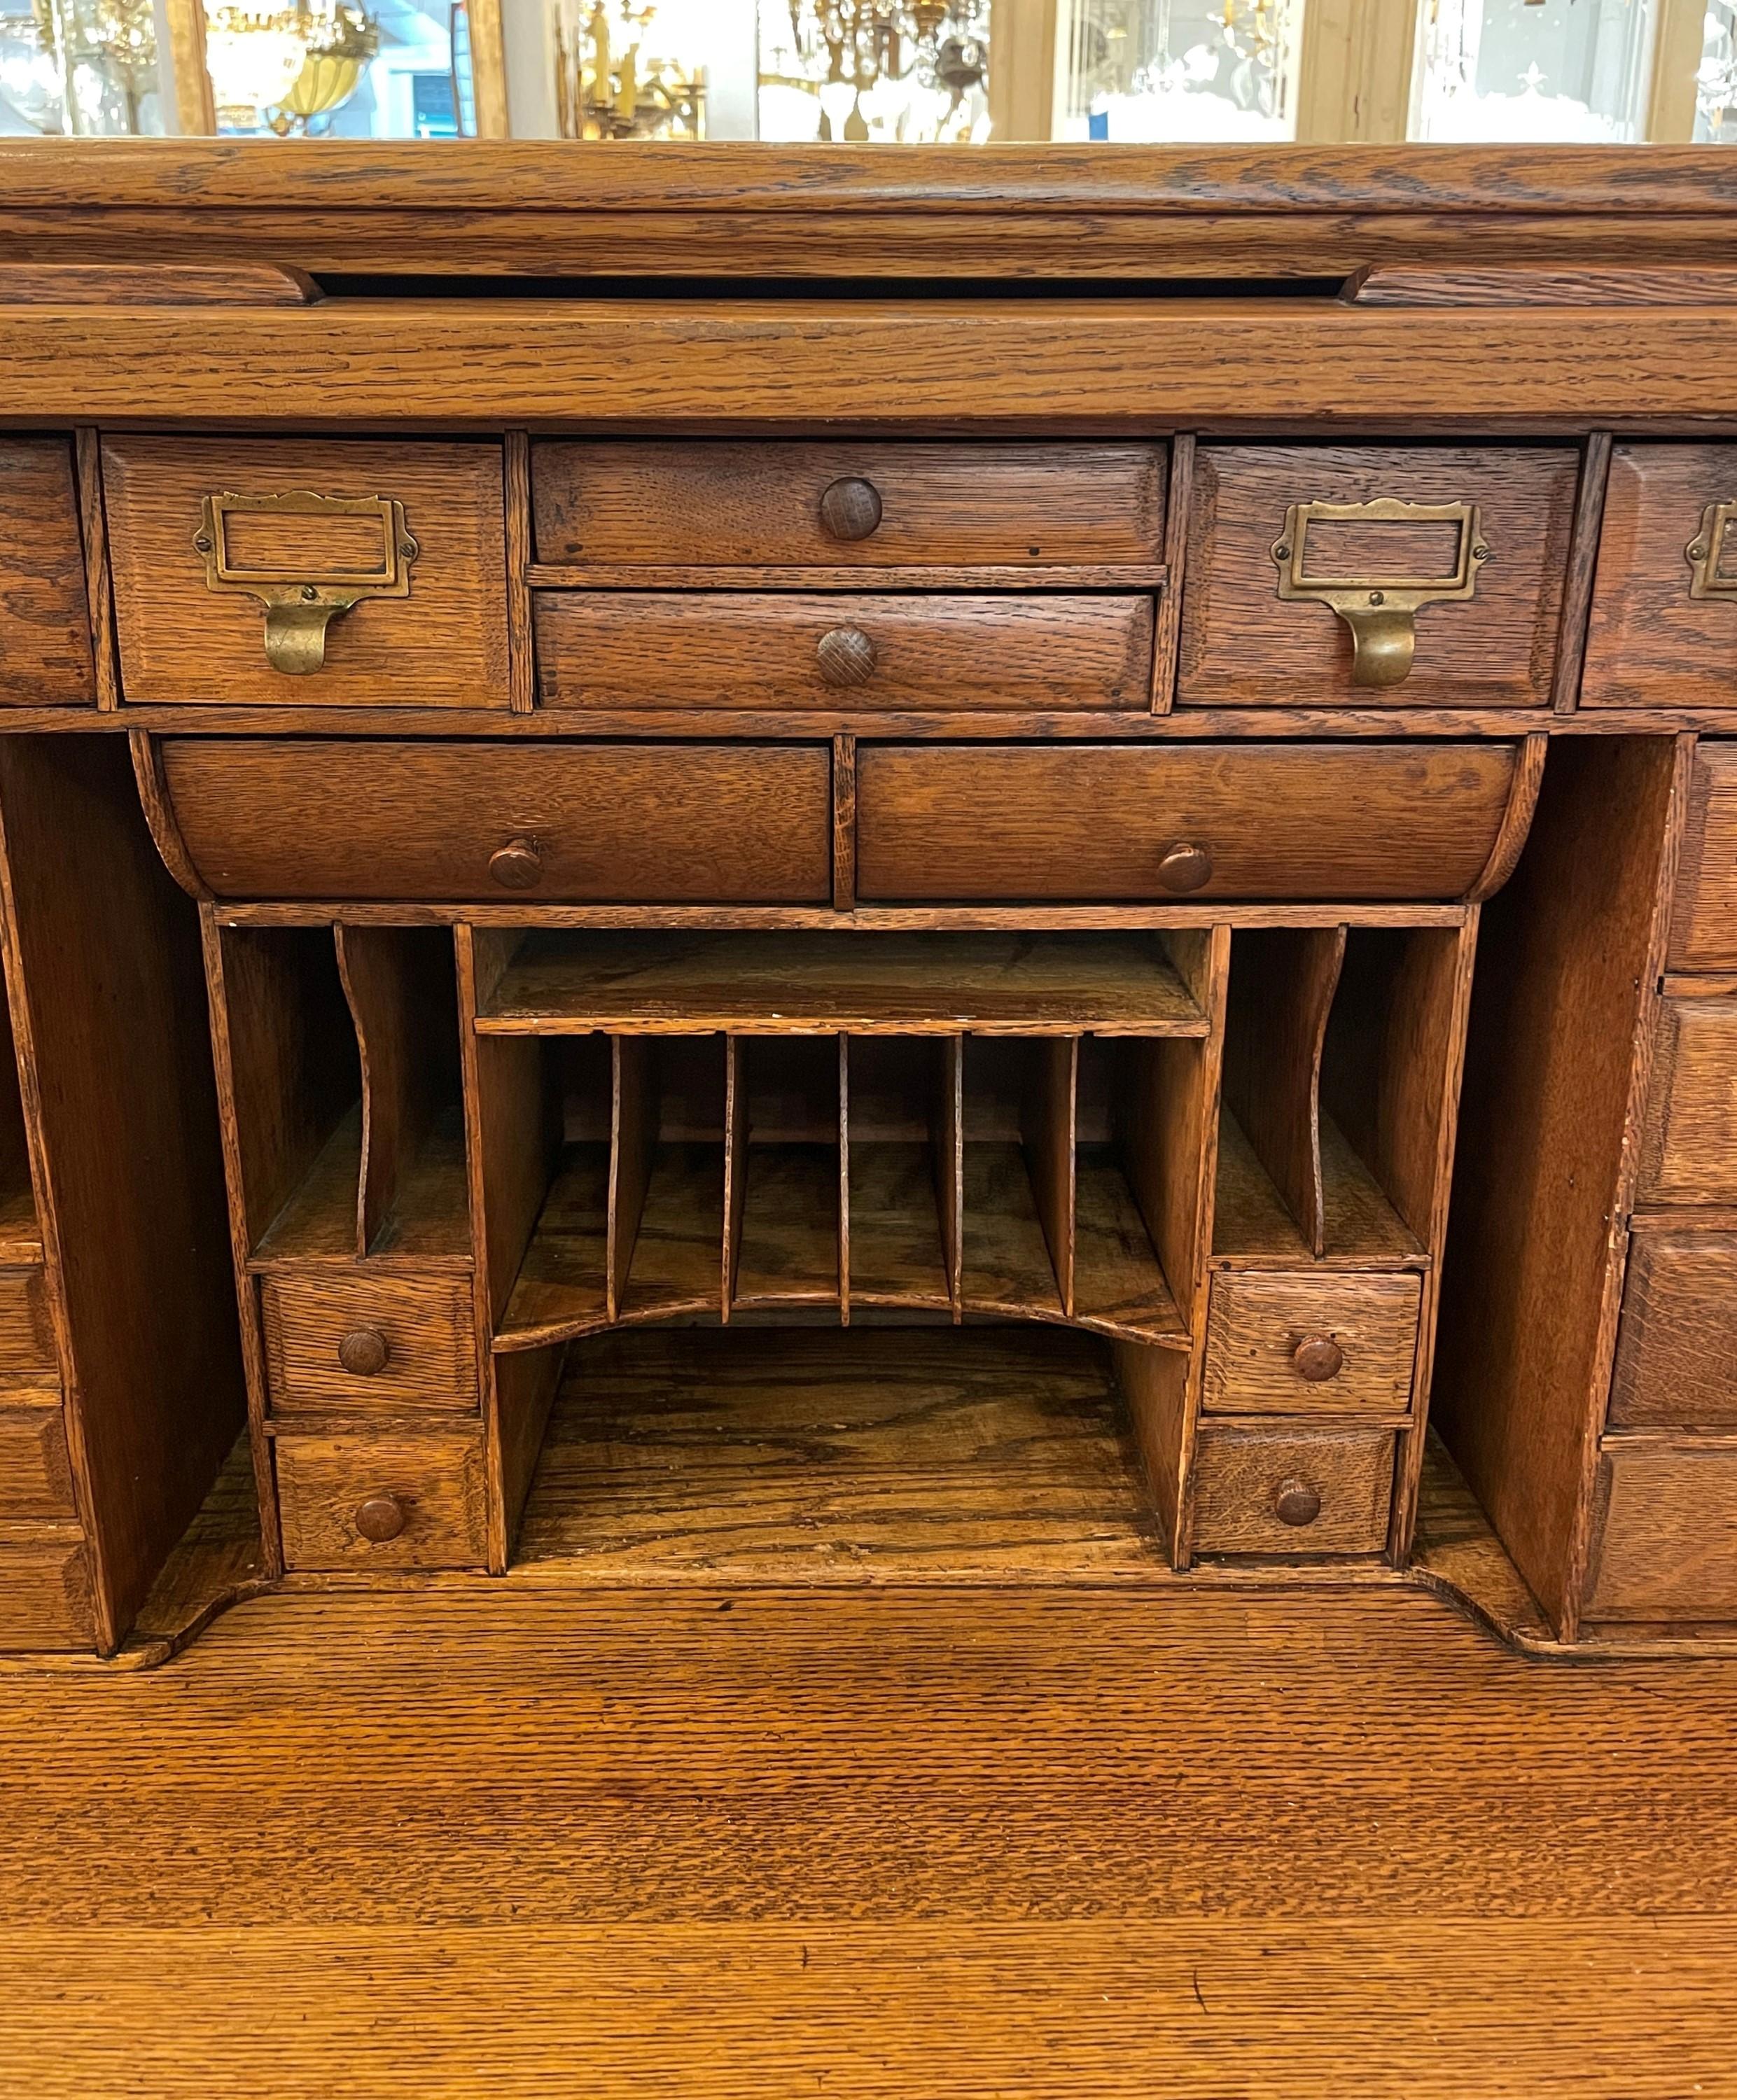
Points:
(295, 631)
(1384, 640)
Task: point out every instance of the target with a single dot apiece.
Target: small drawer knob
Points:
(364, 1351)
(1185, 867)
(850, 509)
(847, 656)
(380, 1518)
(1297, 1503)
(518, 865)
(1317, 1357)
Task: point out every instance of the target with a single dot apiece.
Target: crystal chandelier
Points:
(908, 69)
(610, 84)
(278, 71)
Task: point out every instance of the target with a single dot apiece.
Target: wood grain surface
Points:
(1689, 1146)
(1257, 1322)
(1678, 1340)
(1703, 917)
(45, 631)
(1664, 1533)
(437, 1482)
(1243, 1473)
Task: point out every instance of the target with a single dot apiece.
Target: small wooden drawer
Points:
(1663, 630)
(1370, 576)
(1677, 1350)
(1664, 1533)
(1689, 1149)
(45, 626)
(639, 649)
(1703, 922)
(27, 1333)
(1104, 822)
(373, 1341)
(45, 1588)
(845, 504)
(308, 571)
(382, 1502)
(1292, 1491)
(634, 823)
(36, 1468)
(1325, 1343)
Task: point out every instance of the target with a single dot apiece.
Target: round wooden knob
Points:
(380, 1518)
(518, 865)
(364, 1351)
(851, 509)
(1185, 867)
(847, 656)
(1317, 1357)
(1297, 1503)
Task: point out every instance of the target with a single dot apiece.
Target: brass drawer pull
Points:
(302, 601)
(1297, 1503)
(847, 656)
(1709, 552)
(1317, 1357)
(850, 508)
(364, 1352)
(1380, 608)
(380, 1518)
(1184, 867)
(518, 865)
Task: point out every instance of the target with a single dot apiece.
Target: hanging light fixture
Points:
(277, 71)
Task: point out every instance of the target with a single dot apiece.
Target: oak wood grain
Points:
(1677, 1350)
(45, 632)
(1664, 1539)
(430, 1359)
(1281, 993)
(1704, 918)
(1258, 1323)
(45, 1600)
(436, 1482)
(1244, 1473)
(36, 1468)
(1688, 1148)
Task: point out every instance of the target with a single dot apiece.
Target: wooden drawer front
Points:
(45, 1588)
(1653, 642)
(1677, 1350)
(1243, 645)
(1704, 924)
(27, 1334)
(1265, 1332)
(1104, 823)
(651, 824)
(604, 648)
(338, 1494)
(1245, 1478)
(44, 629)
(1689, 1154)
(1664, 1534)
(36, 1469)
(725, 505)
(442, 644)
(313, 1323)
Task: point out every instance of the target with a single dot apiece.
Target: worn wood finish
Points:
(1281, 992)
(157, 285)
(46, 1584)
(634, 1121)
(1664, 1543)
(427, 1361)
(44, 629)
(1689, 1149)
(434, 1483)
(36, 1467)
(445, 644)
(1264, 1352)
(1292, 1491)
(1529, 285)
(27, 1327)
(1678, 1339)
(626, 649)
(1027, 507)
(1704, 918)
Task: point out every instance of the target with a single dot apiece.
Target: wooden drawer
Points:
(1255, 632)
(45, 1588)
(44, 628)
(1326, 1343)
(340, 1498)
(1703, 922)
(430, 632)
(1689, 1150)
(651, 824)
(730, 505)
(1677, 1350)
(1664, 1534)
(27, 1333)
(1659, 638)
(607, 649)
(1098, 821)
(1291, 1490)
(324, 1331)
(36, 1468)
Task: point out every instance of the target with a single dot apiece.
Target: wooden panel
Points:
(1282, 985)
(633, 1139)
(46, 1602)
(515, 1142)
(1094, 821)
(44, 628)
(1242, 1475)
(1689, 1153)
(1651, 644)
(1259, 1326)
(651, 821)
(1665, 1538)
(1676, 1353)
(426, 1325)
(603, 649)
(1030, 506)
(36, 1468)
(27, 1334)
(1047, 1127)
(445, 645)
(1703, 922)
(1243, 645)
(436, 1482)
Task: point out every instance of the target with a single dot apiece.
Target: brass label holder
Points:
(1380, 610)
(1707, 553)
(299, 608)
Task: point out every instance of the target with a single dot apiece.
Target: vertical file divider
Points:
(633, 1133)
(1048, 1119)
(735, 1167)
(948, 1144)
(844, 1179)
